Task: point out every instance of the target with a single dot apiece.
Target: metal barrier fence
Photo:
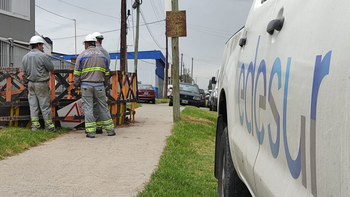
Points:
(11, 53)
(14, 106)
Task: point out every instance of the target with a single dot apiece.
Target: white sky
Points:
(209, 25)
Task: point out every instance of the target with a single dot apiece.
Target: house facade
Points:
(17, 19)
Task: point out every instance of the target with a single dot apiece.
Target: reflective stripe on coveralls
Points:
(35, 120)
(95, 92)
(91, 69)
(39, 95)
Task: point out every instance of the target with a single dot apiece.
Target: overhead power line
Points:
(88, 9)
(149, 30)
(62, 24)
(212, 34)
(109, 31)
(54, 13)
(212, 29)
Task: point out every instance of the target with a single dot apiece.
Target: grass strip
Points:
(162, 100)
(16, 140)
(186, 165)
(137, 105)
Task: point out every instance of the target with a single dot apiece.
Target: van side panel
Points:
(243, 150)
(288, 97)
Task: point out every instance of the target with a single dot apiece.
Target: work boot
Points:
(99, 130)
(111, 132)
(35, 127)
(53, 130)
(91, 134)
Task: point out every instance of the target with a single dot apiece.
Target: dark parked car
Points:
(146, 93)
(189, 95)
(203, 101)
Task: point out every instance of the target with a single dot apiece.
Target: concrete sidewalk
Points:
(73, 165)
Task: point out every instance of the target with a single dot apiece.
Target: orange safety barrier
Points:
(120, 91)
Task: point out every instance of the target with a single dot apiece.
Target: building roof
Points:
(156, 54)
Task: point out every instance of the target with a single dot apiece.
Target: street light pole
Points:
(136, 6)
(75, 36)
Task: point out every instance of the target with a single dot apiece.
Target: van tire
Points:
(229, 183)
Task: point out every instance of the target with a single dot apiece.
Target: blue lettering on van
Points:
(294, 165)
(274, 146)
(321, 69)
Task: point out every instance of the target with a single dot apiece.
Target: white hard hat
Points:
(36, 40)
(97, 35)
(90, 38)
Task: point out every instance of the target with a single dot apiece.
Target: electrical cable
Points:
(109, 31)
(156, 14)
(62, 24)
(212, 29)
(89, 10)
(54, 13)
(204, 32)
(150, 32)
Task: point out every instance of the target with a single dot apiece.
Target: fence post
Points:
(133, 79)
(11, 53)
(114, 92)
(53, 94)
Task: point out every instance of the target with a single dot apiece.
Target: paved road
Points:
(73, 165)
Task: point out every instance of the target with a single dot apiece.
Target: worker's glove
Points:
(77, 90)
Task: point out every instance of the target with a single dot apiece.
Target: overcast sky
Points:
(210, 23)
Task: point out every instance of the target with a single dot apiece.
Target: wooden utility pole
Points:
(175, 68)
(123, 49)
(176, 27)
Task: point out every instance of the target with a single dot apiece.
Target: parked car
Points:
(212, 101)
(207, 95)
(146, 93)
(189, 95)
(203, 101)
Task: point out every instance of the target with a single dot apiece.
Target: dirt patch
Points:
(195, 119)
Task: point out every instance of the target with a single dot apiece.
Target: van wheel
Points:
(229, 184)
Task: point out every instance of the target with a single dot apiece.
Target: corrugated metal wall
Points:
(11, 55)
(6, 5)
(4, 54)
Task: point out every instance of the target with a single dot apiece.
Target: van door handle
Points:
(275, 24)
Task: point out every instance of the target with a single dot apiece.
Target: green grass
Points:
(137, 105)
(186, 166)
(162, 100)
(16, 140)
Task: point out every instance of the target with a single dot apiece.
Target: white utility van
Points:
(283, 125)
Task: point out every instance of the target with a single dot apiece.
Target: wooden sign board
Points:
(176, 24)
